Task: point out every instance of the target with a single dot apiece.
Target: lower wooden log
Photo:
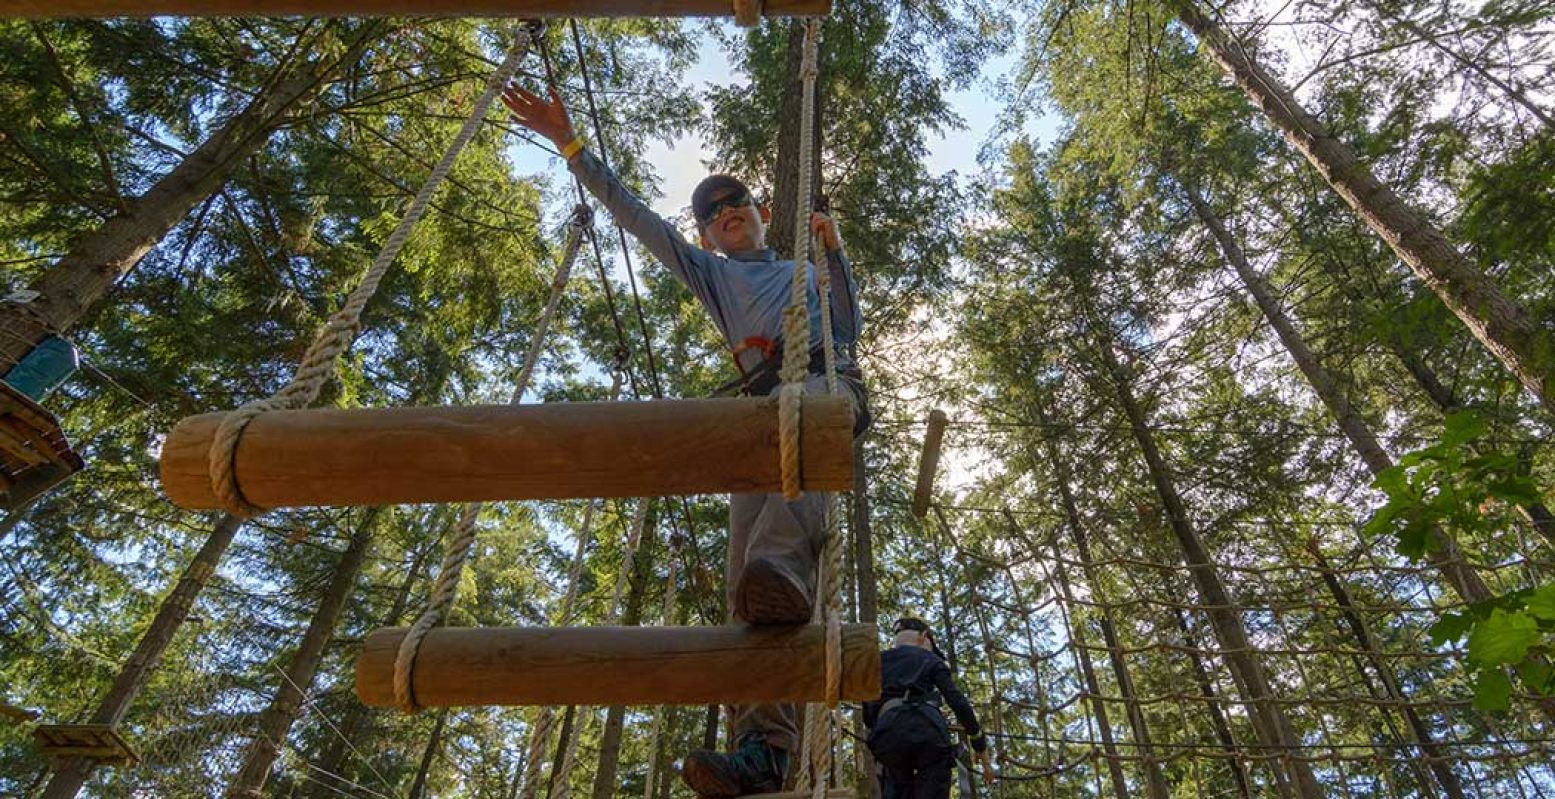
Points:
(928, 463)
(620, 665)
(562, 450)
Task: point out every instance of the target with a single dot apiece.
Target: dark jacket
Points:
(919, 674)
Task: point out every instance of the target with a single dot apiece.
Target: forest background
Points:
(1245, 491)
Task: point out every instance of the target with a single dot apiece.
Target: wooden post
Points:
(620, 665)
(928, 463)
(409, 8)
(561, 450)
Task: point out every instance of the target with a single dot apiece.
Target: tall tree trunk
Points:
(868, 593)
(74, 772)
(615, 718)
(1217, 717)
(1155, 780)
(276, 720)
(1445, 554)
(563, 743)
(1500, 324)
(1274, 730)
(1080, 645)
(785, 178)
(336, 757)
(1463, 580)
(418, 787)
(80, 278)
(1420, 733)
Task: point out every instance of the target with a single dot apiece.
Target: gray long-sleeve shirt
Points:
(745, 291)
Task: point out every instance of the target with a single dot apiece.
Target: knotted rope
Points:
(819, 720)
(318, 364)
(461, 539)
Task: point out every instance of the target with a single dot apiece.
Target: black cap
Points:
(910, 623)
(702, 195)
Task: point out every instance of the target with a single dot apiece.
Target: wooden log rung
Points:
(928, 462)
(43, 9)
(99, 742)
(564, 450)
(731, 664)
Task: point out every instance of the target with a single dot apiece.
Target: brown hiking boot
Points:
(768, 593)
(754, 767)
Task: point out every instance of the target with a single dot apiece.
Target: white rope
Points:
(318, 364)
(796, 317)
(461, 540)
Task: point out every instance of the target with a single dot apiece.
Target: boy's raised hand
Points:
(545, 117)
(825, 227)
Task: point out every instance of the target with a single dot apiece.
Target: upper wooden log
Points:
(39, 9)
(733, 664)
(562, 450)
(928, 462)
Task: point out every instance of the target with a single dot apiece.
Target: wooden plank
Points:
(100, 742)
(733, 664)
(40, 9)
(551, 451)
(928, 463)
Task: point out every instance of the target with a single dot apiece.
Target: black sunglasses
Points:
(736, 200)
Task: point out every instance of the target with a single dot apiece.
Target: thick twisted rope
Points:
(318, 364)
(796, 317)
(461, 540)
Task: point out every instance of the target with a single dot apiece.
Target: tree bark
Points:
(1419, 732)
(1463, 580)
(81, 277)
(74, 772)
(1501, 325)
(418, 787)
(868, 591)
(615, 717)
(1217, 718)
(1444, 555)
(1081, 647)
(1274, 730)
(785, 177)
(276, 720)
(336, 758)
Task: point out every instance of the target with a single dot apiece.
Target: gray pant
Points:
(792, 533)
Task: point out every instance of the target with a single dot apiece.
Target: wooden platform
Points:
(40, 9)
(99, 742)
(34, 453)
(732, 664)
(561, 450)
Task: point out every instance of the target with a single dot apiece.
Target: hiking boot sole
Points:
(767, 595)
(708, 779)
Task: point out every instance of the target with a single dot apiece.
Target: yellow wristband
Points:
(573, 148)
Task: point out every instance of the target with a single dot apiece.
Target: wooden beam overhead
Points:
(42, 9)
(734, 664)
(561, 450)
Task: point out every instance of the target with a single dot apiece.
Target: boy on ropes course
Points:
(907, 730)
(773, 544)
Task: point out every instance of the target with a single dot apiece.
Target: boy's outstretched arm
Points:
(846, 317)
(548, 118)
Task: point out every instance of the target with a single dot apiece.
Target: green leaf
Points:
(1502, 638)
(1393, 481)
(1492, 691)
(1451, 627)
(1462, 427)
(1541, 603)
(1537, 675)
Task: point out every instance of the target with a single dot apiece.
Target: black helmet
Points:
(910, 623)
